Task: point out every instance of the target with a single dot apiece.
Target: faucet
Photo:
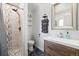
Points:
(60, 35)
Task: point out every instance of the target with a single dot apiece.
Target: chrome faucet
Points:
(60, 35)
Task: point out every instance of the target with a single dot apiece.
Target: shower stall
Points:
(11, 15)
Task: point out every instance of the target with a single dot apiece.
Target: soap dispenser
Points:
(67, 35)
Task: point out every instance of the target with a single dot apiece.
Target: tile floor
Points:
(37, 52)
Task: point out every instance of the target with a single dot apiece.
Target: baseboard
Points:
(38, 51)
(41, 49)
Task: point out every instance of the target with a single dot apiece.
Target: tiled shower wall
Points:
(13, 29)
(24, 30)
(3, 42)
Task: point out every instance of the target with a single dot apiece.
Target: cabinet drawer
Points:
(58, 49)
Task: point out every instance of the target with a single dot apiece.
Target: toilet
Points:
(31, 43)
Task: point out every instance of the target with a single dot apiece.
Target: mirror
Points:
(64, 16)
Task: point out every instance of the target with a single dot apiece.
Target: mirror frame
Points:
(74, 16)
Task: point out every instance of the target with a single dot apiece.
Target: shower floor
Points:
(15, 52)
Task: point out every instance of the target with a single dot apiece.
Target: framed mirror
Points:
(64, 16)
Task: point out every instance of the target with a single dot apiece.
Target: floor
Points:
(37, 52)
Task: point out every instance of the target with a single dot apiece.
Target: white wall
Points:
(34, 10)
(38, 11)
(45, 8)
(30, 12)
(25, 29)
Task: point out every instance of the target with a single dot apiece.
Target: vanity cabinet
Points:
(56, 49)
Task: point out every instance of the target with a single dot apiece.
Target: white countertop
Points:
(68, 42)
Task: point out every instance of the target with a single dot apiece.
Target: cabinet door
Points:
(55, 49)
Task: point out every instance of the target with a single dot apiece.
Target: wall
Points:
(3, 42)
(30, 28)
(24, 26)
(45, 8)
(38, 10)
(24, 31)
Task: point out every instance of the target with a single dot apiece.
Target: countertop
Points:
(67, 42)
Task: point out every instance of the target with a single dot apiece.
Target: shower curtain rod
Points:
(14, 6)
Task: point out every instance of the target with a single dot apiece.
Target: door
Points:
(13, 29)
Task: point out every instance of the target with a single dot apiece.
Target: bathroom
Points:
(53, 33)
(34, 40)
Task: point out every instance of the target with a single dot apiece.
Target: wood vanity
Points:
(56, 49)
